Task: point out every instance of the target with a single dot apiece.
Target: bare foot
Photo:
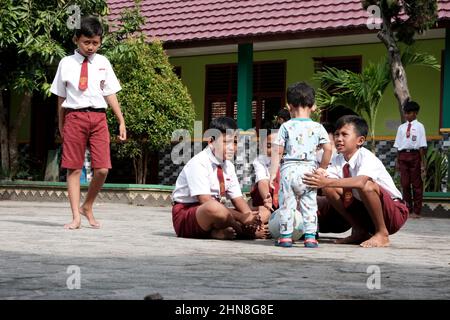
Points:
(414, 216)
(75, 224)
(262, 232)
(90, 216)
(377, 241)
(355, 238)
(223, 234)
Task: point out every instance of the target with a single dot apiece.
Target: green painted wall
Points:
(424, 83)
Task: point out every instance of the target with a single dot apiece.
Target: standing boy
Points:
(358, 187)
(411, 144)
(85, 83)
(203, 185)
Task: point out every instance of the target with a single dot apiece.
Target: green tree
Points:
(401, 21)
(34, 35)
(363, 92)
(153, 99)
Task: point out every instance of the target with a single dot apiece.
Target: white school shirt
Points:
(199, 176)
(261, 165)
(364, 163)
(102, 81)
(417, 138)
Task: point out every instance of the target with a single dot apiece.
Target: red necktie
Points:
(83, 84)
(276, 184)
(408, 130)
(221, 181)
(348, 195)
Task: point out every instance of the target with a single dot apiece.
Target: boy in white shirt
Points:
(198, 210)
(85, 83)
(261, 190)
(411, 144)
(359, 188)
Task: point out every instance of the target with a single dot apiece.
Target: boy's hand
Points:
(267, 202)
(271, 180)
(122, 132)
(321, 171)
(315, 180)
(251, 218)
(423, 171)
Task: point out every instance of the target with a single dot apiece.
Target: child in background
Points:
(411, 144)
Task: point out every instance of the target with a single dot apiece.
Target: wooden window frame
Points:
(231, 97)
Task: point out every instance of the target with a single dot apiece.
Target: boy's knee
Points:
(330, 192)
(102, 171)
(74, 172)
(216, 210)
(370, 187)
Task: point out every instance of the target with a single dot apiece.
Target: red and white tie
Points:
(83, 83)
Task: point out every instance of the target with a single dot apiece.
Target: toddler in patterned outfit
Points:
(299, 139)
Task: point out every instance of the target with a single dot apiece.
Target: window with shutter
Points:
(269, 79)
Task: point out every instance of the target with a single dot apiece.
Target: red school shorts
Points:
(395, 214)
(185, 221)
(81, 128)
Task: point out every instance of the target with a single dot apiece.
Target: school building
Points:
(237, 58)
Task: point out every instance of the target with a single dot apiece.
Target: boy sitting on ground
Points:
(198, 199)
(359, 188)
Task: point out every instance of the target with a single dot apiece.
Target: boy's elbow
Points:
(362, 181)
(327, 147)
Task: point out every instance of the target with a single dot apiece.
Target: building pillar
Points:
(245, 86)
(446, 84)
(445, 130)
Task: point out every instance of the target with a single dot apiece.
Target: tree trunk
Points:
(140, 168)
(13, 131)
(4, 136)
(398, 73)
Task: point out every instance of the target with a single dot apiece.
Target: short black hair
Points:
(90, 27)
(411, 106)
(329, 127)
(358, 123)
(268, 125)
(284, 114)
(223, 124)
(301, 94)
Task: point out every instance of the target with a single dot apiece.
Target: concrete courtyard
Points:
(136, 253)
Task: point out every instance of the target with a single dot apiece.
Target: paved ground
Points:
(136, 253)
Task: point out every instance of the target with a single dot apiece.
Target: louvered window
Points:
(269, 80)
(343, 63)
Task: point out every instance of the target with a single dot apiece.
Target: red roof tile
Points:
(197, 20)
